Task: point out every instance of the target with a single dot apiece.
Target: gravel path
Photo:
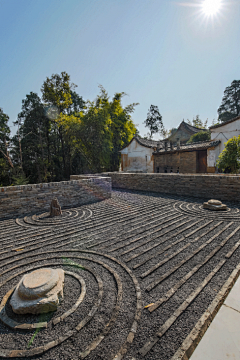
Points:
(134, 249)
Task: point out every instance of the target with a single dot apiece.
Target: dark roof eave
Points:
(176, 151)
(225, 123)
(204, 147)
(141, 143)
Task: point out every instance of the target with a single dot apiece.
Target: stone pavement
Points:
(222, 339)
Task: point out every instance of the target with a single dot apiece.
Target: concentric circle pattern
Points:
(140, 271)
(67, 217)
(196, 209)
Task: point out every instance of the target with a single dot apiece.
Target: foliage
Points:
(6, 165)
(200, 136)
(61, 134)
(57, 91)
(230, 106)
(167, 133)
(104, 129)
(154, 121)
(229, 159)
(20, 179)
(198, 123)
(32, 153)
(63, 107)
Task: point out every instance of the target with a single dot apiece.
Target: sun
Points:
(211, 7)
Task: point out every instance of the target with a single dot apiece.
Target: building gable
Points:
(184, 132)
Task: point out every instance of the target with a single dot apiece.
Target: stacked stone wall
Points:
(220, 187)
(36, 198)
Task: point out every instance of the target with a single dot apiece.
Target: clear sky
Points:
(161, 52)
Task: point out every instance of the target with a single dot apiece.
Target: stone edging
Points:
(192, 340)
(219, 187)
(23, 200)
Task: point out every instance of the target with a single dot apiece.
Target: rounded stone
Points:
(38, 283)
(214, 202)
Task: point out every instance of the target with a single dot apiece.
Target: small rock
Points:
(214, 202)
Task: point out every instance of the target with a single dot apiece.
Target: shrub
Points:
(229, 159)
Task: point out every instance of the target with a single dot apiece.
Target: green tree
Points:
(57, 94)
(56, 91)
(6, 164)
(103, 130)
(166, 133)
(229, 159)
(154, 121)
(5, 137)
(230, 106)
(32, 141)
(122, 128)
(198, 123)
(200, 136)
(61, 134)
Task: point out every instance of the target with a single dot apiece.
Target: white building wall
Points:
(223, 133)
(136, 157)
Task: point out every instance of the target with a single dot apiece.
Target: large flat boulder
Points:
(214, 205)
(38, 292)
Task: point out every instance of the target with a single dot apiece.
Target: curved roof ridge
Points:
(191, 127)
(144, 142)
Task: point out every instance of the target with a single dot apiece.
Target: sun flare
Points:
(211, 7)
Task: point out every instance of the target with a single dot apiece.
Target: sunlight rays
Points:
(211, 7)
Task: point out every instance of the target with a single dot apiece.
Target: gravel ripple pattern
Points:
(140, 271)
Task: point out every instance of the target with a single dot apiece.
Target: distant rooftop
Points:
(202, 145)
(144, 142)
(224, 123)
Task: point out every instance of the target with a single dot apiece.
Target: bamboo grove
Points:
(59, 134)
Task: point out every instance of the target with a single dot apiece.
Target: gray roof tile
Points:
(202, 145)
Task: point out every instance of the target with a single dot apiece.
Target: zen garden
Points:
(119, 218)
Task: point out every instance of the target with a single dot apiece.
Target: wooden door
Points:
(202, 161)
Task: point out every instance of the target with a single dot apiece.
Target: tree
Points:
(200, 136)
(154, 121)
(230, 106)
(198, 123)
(104, 129)
(122, 128)
(32, 142)
(5, 137)
(61, 134)
(57, 91)
(78, 104)
(166, 133)
(6, 164)
(63, 102)
(229, 159)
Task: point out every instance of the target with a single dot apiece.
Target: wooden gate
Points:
(202, 161)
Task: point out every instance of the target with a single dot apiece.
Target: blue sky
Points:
(161, 52)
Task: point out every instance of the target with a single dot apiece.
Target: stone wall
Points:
(36, 198)
(221, 187)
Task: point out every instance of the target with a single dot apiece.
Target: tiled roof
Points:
(147, 143)
(224, 123)
(189, 128)
(190, 147)
(144, 142)
(192, 128)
